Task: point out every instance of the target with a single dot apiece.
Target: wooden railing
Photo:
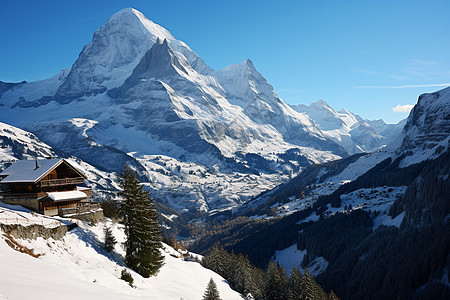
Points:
(55, 182)
(85, 207)
(23, 196)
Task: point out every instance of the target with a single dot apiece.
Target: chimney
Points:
(35, 159)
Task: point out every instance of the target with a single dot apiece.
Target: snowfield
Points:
(292, 257)
(77, 267)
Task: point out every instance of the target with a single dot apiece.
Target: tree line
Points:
(255, 283)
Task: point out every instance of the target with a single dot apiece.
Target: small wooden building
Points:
(43, 185)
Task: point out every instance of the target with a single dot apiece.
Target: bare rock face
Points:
(34, 231)
(429, 122)
(90, 216)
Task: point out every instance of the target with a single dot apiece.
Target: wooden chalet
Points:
(43, 185)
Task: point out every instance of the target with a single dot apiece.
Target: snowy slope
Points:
(19, 144)
(78, 267)
(349, 130)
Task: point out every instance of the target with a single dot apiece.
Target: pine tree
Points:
(110, 240)
(276, 283)
(211, 293)
(142, 229)
(312, 288)
(296, 285)
(216, 260)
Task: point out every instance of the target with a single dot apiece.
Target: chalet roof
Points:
(64, 196)
(25, 170)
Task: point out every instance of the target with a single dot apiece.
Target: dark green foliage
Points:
(236, 269)
(142, 229)
(330, 237)
(312, 289)
(211, 293)
(386, 264)
(297, 285)
(276, 287)
(257, 284)
(110, 240)
(110, 208)
(241, 234)
(396, 263)
(126, 276)
(425, 198)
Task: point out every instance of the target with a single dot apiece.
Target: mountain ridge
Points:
(349, 130)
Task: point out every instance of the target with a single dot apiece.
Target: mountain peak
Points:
(344, 111)
(129, 17)
(158, 62)
(321, 105)
(124, 12)
(249, 63)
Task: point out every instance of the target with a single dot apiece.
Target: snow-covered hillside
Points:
(349, 130)
(19, 144)
(77, 266)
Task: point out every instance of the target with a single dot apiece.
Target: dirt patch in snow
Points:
(18, 247)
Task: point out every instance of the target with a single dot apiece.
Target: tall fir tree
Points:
(110, 240)
(297, 285)
(276, 283)
(211, 293)
(312, 288)
(143, 243)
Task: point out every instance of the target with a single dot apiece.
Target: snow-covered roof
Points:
(25, 170)
(64, 196)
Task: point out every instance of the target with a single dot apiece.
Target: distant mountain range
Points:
(199, 138)
(348, 130)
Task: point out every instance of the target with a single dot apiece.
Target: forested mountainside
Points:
(366, 259)
(373, 226)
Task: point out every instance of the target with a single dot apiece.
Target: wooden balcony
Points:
(64, 181)
(22, 196)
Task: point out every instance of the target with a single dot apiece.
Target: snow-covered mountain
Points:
(137, 95)
(350, 131)
(427, 131)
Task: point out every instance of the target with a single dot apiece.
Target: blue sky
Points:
(366, 56)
